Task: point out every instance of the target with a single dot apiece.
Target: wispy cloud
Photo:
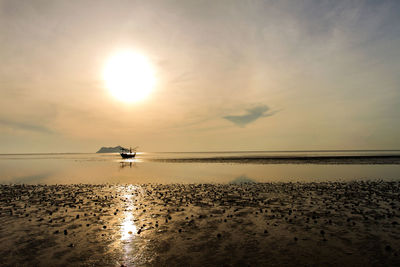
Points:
(251, 115)
(25, 126)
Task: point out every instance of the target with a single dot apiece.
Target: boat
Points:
(128, 154)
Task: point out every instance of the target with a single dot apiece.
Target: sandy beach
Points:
(250, 224)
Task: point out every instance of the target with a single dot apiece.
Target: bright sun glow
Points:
(129, 76)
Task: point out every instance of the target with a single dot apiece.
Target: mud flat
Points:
(256, 224)
(330, 160)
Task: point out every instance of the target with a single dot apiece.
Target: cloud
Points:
(26, 126)
(252, 114)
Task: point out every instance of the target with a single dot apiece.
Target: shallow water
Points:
(209, 167)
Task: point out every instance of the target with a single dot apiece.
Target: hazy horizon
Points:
(228, 75)
(215, 151)
(332, 152)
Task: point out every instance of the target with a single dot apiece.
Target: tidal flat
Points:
(248, 224)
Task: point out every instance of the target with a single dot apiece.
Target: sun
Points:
(129, 76)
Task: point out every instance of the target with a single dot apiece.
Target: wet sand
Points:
(334, 160)
(253, 224)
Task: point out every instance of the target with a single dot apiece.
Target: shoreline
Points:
(328, 160)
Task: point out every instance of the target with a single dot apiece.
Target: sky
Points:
(230, 75)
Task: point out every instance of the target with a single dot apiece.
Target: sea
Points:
(200, 167)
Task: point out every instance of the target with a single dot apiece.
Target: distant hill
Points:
(111, 149)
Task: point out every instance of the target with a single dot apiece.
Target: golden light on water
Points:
(129, 76)
(128, 227)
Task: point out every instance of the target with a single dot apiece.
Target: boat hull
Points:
(128, 155)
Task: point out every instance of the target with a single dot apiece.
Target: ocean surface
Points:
(200, 167)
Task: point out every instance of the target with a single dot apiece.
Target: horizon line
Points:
(214, 151)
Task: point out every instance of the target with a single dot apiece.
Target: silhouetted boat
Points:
(128, 154)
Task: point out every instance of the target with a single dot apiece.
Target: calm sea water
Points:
(200, 167)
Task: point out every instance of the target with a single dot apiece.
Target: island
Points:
(116, 149)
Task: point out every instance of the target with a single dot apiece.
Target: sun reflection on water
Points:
(128, 227)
